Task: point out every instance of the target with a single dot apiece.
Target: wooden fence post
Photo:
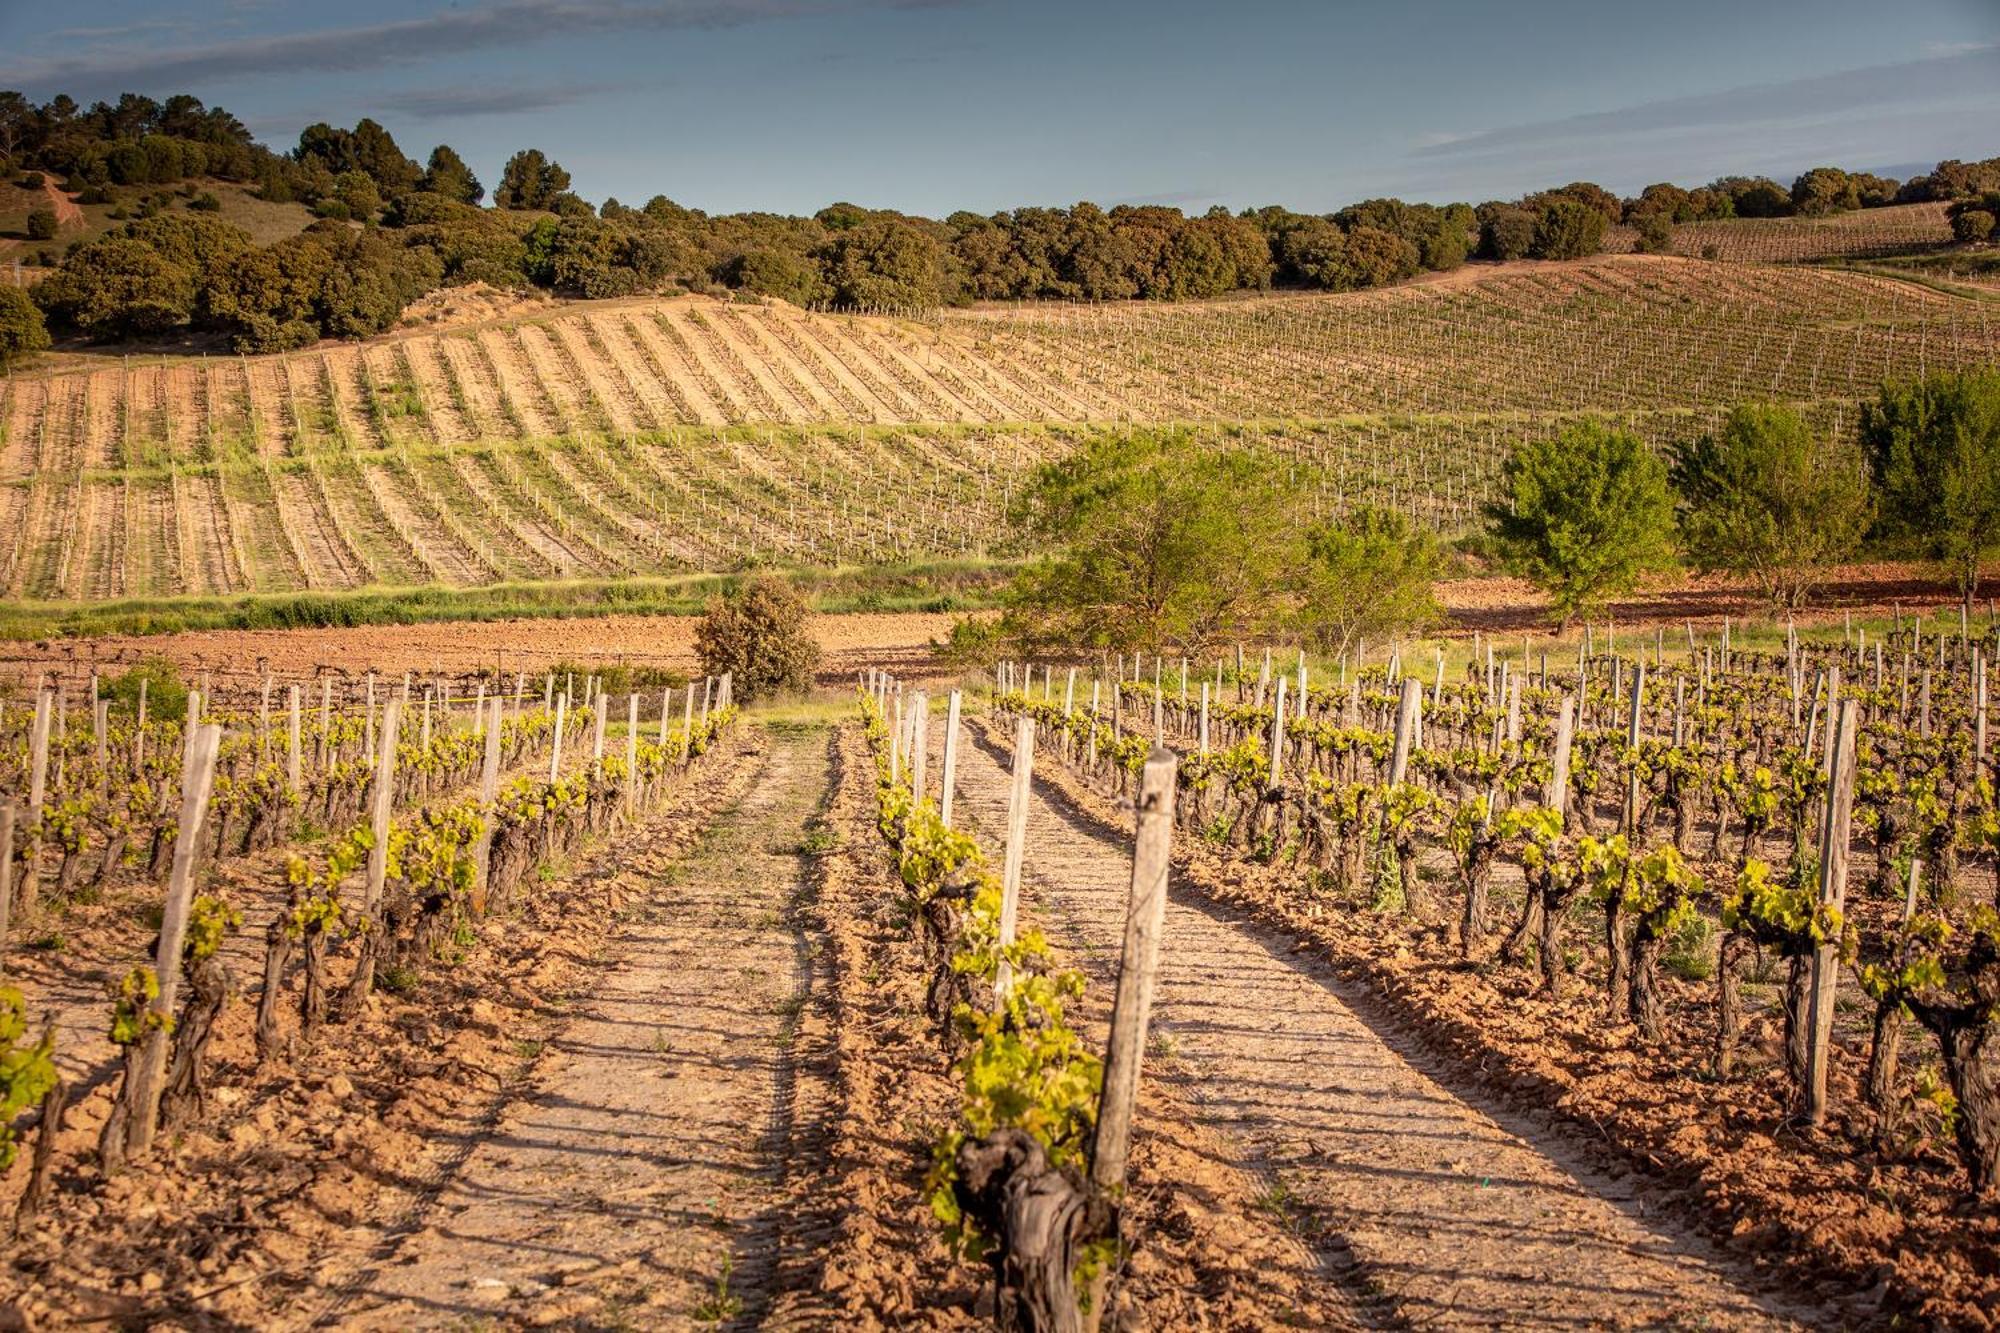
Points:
(1834, 834)
(1138, 973)
(1018, 793)
(197, 781)
(948, 777)
(1204, 718)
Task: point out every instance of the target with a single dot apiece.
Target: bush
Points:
(1656, 234)
(1973, 226)
(1586, 514)
(166, 695)
(1568, 230)
(205, 203)
(1765, 499)
(32, 180)
(22, 330)
(1935, 447)
(42, 224)
(1369, 576)
(758, 636)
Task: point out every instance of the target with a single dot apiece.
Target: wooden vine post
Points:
(38, 790)
(144, 1074)
(920, 710)
(1407, 711)
(1018, 792)
(381, 801)
(1632, 725)
(6, 878)
(1834, 834)
(294, 756)
(1138, 974)
(489, 791)
(948, 775)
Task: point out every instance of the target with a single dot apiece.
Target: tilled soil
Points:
(1436, 1209)
(644, 1170)
(279, 1207)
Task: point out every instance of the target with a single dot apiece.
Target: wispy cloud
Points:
(446, 32)
(458, 103)
(1934, 80)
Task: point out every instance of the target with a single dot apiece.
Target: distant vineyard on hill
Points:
(648, 437)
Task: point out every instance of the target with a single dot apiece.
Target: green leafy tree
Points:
(1973, 225)
(448, 175)
(42, 224)
(356, 190)
(530, 181)
(1368, 576)
(760, 635)
(22, 329)
(889, 261)
(1568, 229)
(1586, 513)
(1935, 446)
(1152, 539)
(1767, 499)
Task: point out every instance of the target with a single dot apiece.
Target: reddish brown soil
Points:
(1208, 1251)
(849, 643)
(1820, 1210)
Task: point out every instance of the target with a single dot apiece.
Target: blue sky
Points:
(932, 105)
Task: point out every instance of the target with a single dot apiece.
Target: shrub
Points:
(758, 635)
(1935, 447)
(205, 203)
(166, 695)
(22, 331)
(1973, 225)
(1585, 514)
(1656, 234)
(42, 224)
(1766, 499)
(1369, 576)
(1568, 230)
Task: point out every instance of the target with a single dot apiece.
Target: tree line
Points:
(389, 227)
(1158, 541)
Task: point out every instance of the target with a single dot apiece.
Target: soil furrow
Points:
(1447, 1215)
(651, 1151)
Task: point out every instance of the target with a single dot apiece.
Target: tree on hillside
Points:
(448, 175)
(1767, 499)
(1368, 576)
(1935, 447)
(1568, 229)
(1152, 539)
(1586, 513)
(759, 635)
(22, 331)
(530, 181)
(888, 262)
(41, 224)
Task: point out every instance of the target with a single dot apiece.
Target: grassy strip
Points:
(954, 585)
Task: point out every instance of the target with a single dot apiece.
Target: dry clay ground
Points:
(725, 1122)
(894, 641)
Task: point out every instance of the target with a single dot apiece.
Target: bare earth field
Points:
(897, 641)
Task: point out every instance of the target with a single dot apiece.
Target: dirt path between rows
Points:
(1443, 1213)
(641, 1180)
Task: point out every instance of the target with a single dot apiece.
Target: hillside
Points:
(667, 436)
